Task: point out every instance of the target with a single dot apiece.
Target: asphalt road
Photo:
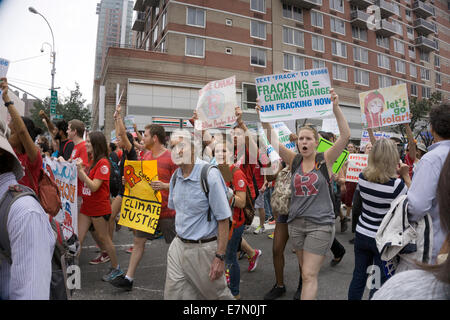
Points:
(150, 275)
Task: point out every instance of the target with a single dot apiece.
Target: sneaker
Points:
(259, 230)
(237, 297)
(227, 276)
(253, 261)
(112, 274)
(101, 258)
(129, 250)
(275, 292)
(270, 236)
(272, 222)
(122, 283)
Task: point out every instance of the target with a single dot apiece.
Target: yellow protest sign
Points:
(141, 205)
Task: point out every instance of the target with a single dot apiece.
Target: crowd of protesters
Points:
(204, 228)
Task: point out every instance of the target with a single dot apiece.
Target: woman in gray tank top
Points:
(311, 215)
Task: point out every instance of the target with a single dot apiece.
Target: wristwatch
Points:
(220, 256)
(7, 104)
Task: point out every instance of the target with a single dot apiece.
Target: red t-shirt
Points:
(79, 151)
(30, 169)
(97, 203)
(166, 168)
(410, 163)
(258, 177)
(239, 184)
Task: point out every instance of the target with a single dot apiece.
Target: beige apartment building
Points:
(180, 45)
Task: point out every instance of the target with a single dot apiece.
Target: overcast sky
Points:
(22, 34)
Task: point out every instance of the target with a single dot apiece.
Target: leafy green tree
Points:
(71, 107)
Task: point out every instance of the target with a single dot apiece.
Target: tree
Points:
(71, 108)
(419, 110)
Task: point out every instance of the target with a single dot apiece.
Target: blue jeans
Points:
(231, 260)
(267, 206)
(366, 254)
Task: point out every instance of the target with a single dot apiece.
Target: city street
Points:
(150, 276)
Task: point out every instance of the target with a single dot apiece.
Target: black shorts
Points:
(106, 217)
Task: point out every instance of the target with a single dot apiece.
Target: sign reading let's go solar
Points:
(294, 95)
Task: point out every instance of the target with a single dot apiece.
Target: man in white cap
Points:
(27, 240)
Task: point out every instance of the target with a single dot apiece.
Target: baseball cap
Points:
(4, 144)
(422, 147)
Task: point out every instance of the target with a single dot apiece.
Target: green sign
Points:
(53, 102)
(324, 145)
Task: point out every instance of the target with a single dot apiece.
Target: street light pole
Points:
(53, 54)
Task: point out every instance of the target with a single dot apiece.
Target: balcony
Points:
(307, 4)
(151, 3)
(362, 3)
(424, 27)
(139, 22)
(386, 8)
(359, 19)
(422, 9)
(426, 44)
(386, 29)
(139, 5)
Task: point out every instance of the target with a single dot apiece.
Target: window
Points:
(400, 66)
(229, 22)
(399, 47)
(362, 77)
(248, 96)
(291, 12)
(317, 43)
(398, 27)
(408, 14)
(414, 90)
(384, 82)
(424, 56)
(424, 74)
(337, 25)
(426, 93)
(337, 5)
(257, 29)
(438, 78)
(396, 8)
(196, 17)
(195, 47)
(317, 64)
(339, 49)
(397, 82)
(383, 61)
(164, 21)
(412, 52)
(292, 62)
(163, 45)
(258, 5)
(437, 61)
(258, 57)
(412, 71)
(155, 34)
(383, 42)
(316, 19)
(361, 54)
(229, 50)
(293, 37)
(410, 33)
(359, 33)
(340, 73)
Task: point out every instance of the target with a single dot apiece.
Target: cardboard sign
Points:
(330, 125)
(365, 139)
(385, 107)
(65, 175)
(129, 122)
(356, 164)
(216, 104)
(294, 95)
(324, 145)
(113, 136)
(4, 66)
(141, 205)
(284, 133)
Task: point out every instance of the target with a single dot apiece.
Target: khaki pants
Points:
(187, 278)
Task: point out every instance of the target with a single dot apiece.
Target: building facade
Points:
(180, 45)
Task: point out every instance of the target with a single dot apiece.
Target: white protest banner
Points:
(18, 104)
(294, 95)
(365, 139)
(385, 106)
(113, 136)
(216, 104)
(4, 65)
(284, 133)
(65, 175)
(330, 125)
(129, 122)
(356, 164)
(268, 148)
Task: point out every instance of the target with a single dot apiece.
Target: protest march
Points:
(207, 189)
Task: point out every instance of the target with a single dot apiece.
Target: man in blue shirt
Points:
(422, 194)
(200, 245)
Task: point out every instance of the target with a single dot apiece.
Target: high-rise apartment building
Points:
(114, 28)
(180, 45)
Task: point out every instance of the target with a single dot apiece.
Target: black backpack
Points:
(61, 255)
(115, 180)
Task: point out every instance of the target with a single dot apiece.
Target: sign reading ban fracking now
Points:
(141, 205)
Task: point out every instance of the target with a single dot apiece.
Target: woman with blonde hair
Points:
(378, 186)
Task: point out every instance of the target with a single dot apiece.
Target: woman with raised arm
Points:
(311, 214)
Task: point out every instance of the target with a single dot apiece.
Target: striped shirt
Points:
(376, 202)
(32, 244)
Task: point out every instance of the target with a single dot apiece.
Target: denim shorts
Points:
(312, 237)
